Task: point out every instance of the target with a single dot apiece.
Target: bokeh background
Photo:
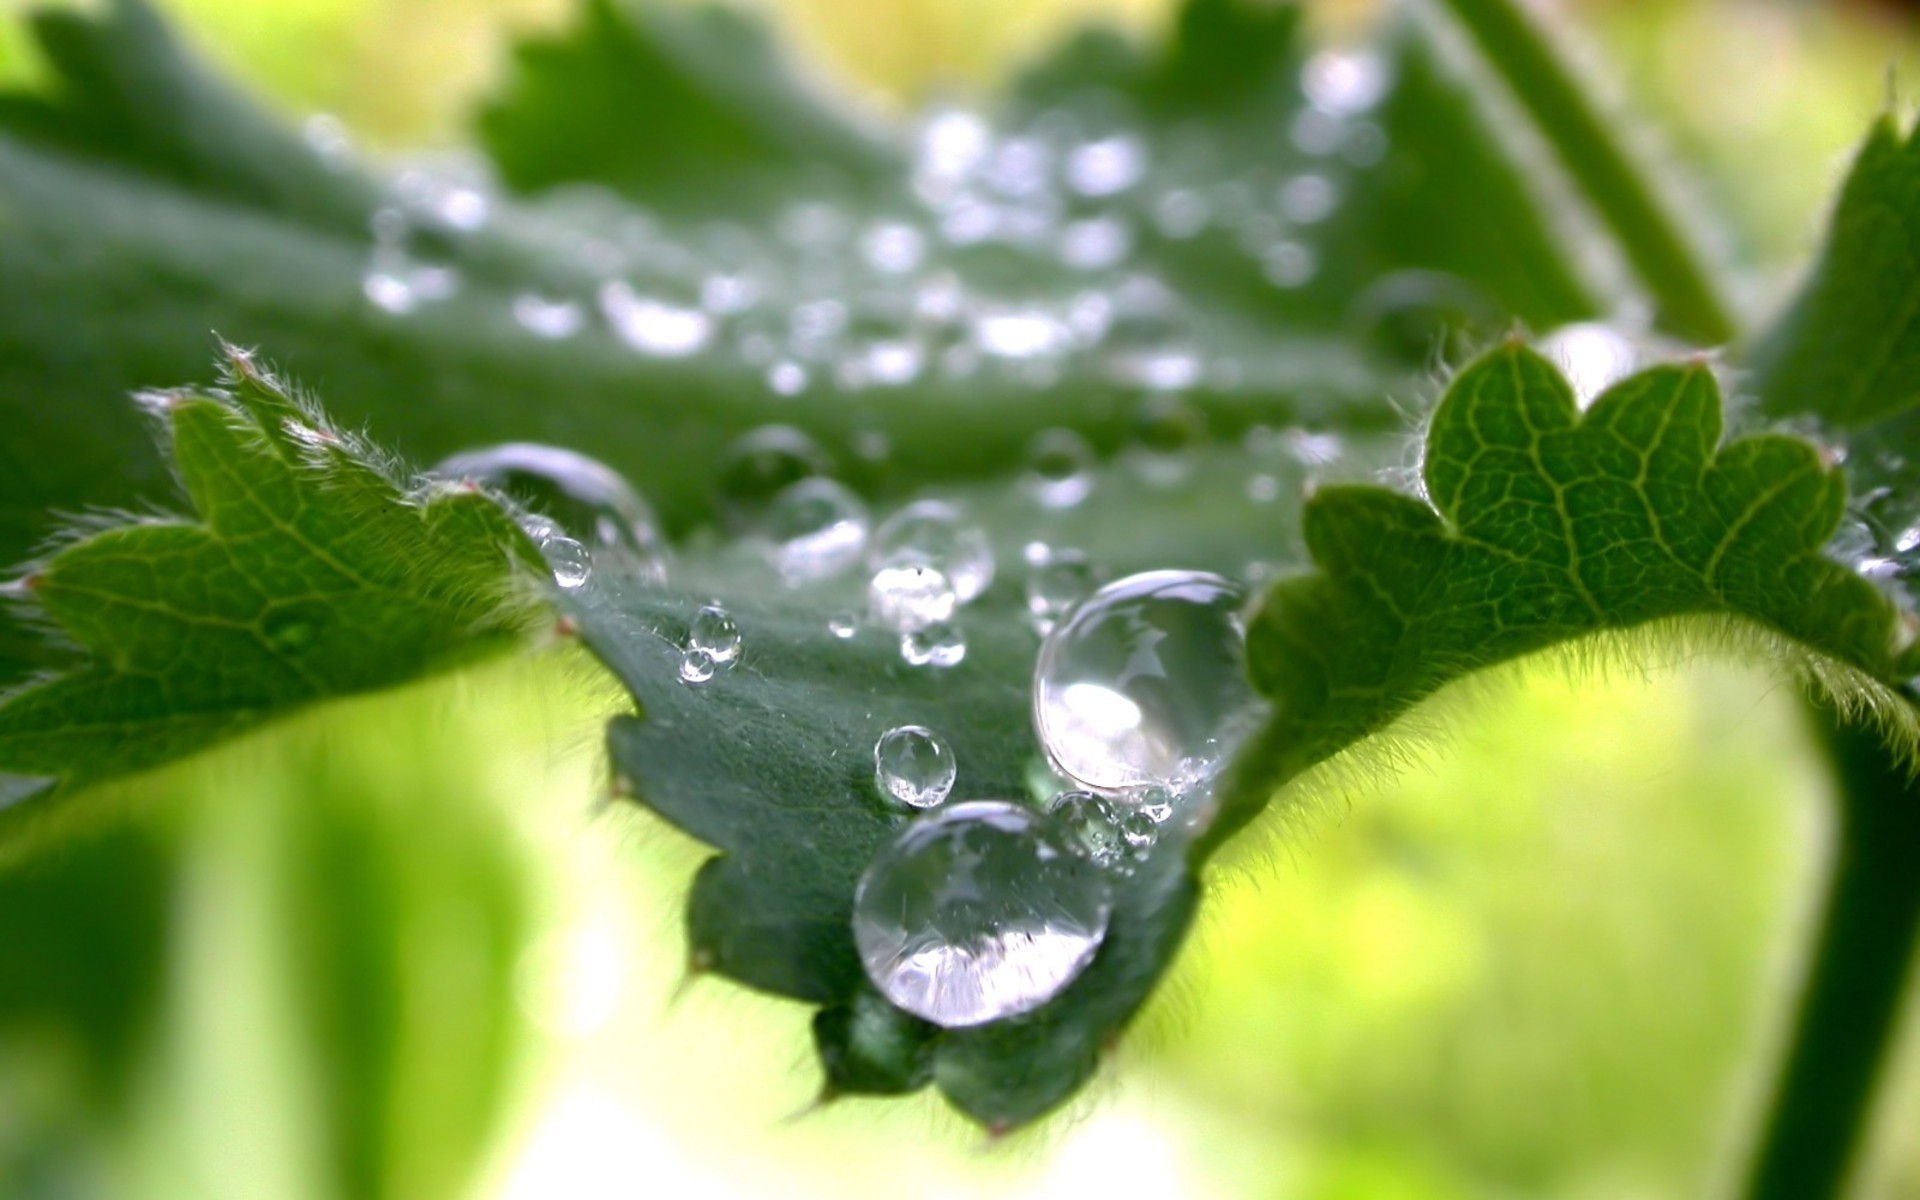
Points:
(397, 947)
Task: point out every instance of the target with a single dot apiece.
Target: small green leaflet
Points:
(308, 571)
(1548, 525)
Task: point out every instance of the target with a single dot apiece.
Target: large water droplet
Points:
(976, 912)
(909, 596)
(1144, 685)
(1107, 166)
(911, 764)
(816, 529)
(714, 630)
(583, 495)
(933, 533)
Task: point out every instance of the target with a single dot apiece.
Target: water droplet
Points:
(787, 378)
(1344, 82)
(1263, 488)
(653, 326)
(1019, 333)
(762, 464)
(894, 248)
(911, 764)
(1593, 356)
(714, 630)
(976, 912)
(938, 645)
(1060, 580)
(696, 665)
(1092, 827)
(1288, 264)
(1181, 214)
(1107, 166)
(1423, 319)
(816, 528)
(936, 534)
(907, 596)
(549, 319)
(1308, 199)
(583, 495)
(1144, 685)
(1059, 468)
(1140, 832)
(1095, 243)
(568, 559)
(843, 625)
(1167, 430)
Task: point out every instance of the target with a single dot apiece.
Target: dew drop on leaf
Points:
(1059, 468)
(938, 645)
(976, 912)
(714, 630)
(815, 529)
(568, 559)
(933, 533)
(760, 465)
(1058, 580)
(1144, 685)
(910, 596)
(1091, 827)
(912, 765)
(582, 495)
(696, 665)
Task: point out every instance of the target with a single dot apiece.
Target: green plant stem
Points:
(1668, 264)
(1857, 978)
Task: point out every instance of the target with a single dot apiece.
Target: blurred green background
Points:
(398, 947)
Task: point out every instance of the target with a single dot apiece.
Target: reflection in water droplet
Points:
(912, 765)
(654, 327)
(568, 559)
(759, 466)
(696, 666)
(933, 533)
(843, 625)
(816, 529)
(1095, 243)
(1144, 685)
(1059, 468)
(787, 378)
(1107, 166)
(938, 645)
(976, 912)
(1344, 82)
(907, 596)
(549, 319)
(1091, 827)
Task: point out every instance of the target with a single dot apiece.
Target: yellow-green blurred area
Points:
(401, 947)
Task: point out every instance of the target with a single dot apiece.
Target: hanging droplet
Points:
(1092, 827)
(714, 630)
(1059, 468)
(1167, 432)
(696, 665)
(568, 559)
(816, 529)
(759, 466)
(938, 645)
(913, 766)
(1144, 685)
(936, 534)
(583, 495)
(909, 596)
(976, 912)
(1060, 579)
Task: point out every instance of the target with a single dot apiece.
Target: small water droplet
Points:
(1056, 583)
(568, 559)
(787, 378)
(911, 764)
(816, 529)
(894, 248)
(714, 630)
(1095, 243)
(1263, 488)
(1059, 468)
(978, 911)
(938, 645)
(1106, 166)
(843, 625)
(1144, 685)
(653, 326)
(549, 319)
(1140, 832)
(1289, 264)
(936, 534)
(1344, 82)
(908, 596)
(1167, 431)
(696, 666)
(759, 466)
(1092, 827)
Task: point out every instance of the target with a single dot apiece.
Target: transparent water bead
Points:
(1058, 580)
(1144, 685)
(938, 645)
(976, 912)
(1167, 432)
(816, 529)
(696, 665)
(910, 596)
(567, 559)
(933, 533)
(912, 765)
(714, 630)
(1059, 468)
(582, 495)
(843, 625)
(761, 464)
(1092, 827)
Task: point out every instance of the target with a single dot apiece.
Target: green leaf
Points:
(307, 572)
(680, 107)
(1848, 348)
(1547, 525)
